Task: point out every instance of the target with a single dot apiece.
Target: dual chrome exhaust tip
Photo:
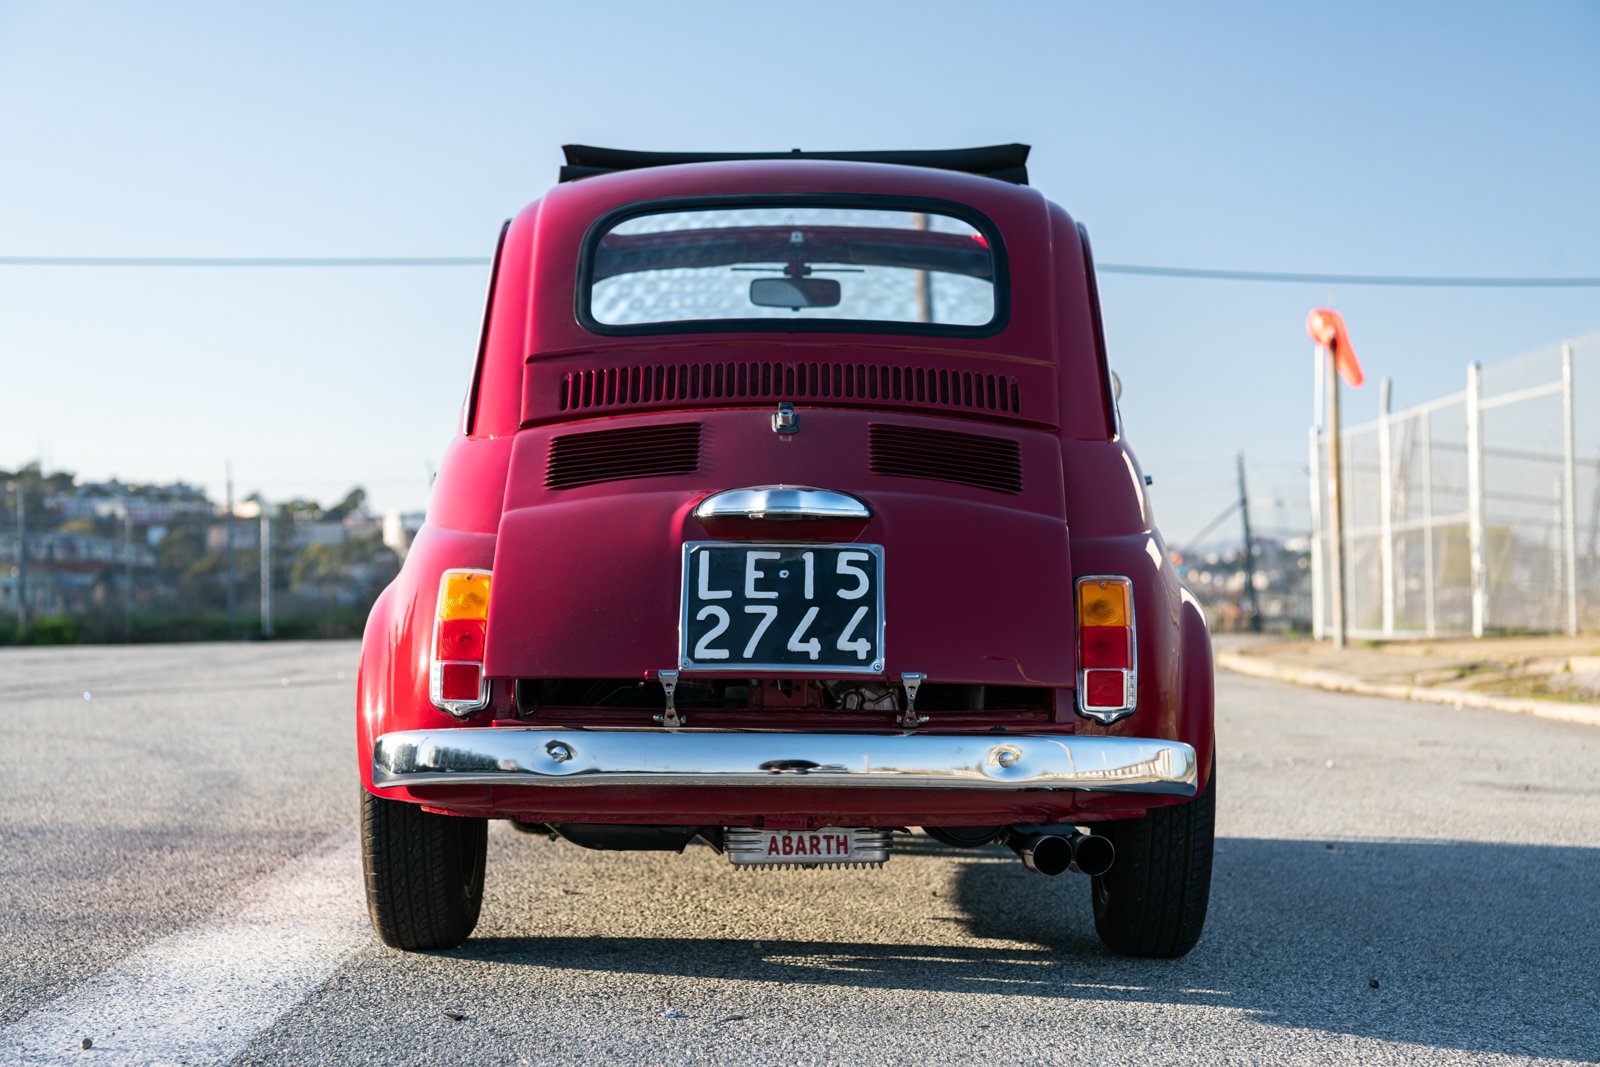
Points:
(1055, 854)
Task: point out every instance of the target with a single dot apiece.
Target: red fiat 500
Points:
(790, 512)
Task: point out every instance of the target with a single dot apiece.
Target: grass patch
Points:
(340, 622)
(1532, 686)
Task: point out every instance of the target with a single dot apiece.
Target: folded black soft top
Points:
(1003, 162)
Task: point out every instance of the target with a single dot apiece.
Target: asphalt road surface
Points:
(179, 883)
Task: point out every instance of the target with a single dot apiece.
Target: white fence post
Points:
(1316, 534)
(1386, 503)
(1480, 590)
(1425, 421)
(1569, 492)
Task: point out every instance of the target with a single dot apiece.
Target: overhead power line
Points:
(244, 261)
(1134, 269)
(1210, 526)
(1445, 281)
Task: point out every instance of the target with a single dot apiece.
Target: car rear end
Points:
(785, 561)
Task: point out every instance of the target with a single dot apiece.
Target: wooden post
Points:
(1335, 506)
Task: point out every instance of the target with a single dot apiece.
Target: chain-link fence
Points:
(1475, 512)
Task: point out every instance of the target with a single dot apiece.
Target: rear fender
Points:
(1197, 698)
(1173, 646)
(392, 686)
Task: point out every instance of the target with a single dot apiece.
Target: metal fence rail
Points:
(1475, 512)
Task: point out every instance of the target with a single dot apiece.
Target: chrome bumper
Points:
(525, 756)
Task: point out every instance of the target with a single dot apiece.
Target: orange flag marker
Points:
(1327, 328)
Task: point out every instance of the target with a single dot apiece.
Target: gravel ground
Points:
(1395, 883)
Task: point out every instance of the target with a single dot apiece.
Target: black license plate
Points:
(781, 607)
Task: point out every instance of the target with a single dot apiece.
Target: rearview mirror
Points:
(794, 293)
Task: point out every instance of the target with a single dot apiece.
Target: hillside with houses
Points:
(85, 561)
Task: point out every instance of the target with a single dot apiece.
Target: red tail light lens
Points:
(460, 682)
(1107, 646)
(460, 639)
(455, 678)
(1107, 680)
(1105, 688)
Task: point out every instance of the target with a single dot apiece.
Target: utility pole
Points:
(127, 573)
(1249, 554)
(919, 221)
(266, 571)
(21, 488)
(233, 596)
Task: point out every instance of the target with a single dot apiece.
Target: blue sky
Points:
(1419, 138)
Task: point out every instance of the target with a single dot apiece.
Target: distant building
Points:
(117, 556)
(319, 532)
(246, 535)
(400, 529)
(142, 504)
(65, 569)
(1282, 583)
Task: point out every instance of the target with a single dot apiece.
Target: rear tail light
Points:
(455, 677)
(1107, 675)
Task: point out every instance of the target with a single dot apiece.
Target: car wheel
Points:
(424, 873)
(1152, 902)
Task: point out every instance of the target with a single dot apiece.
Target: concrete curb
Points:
(1339, 682)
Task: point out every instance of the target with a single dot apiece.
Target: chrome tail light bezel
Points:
(1106, 714)
(459, 708)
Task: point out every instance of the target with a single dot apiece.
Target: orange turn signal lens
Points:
(464, 595)
(1103, 602)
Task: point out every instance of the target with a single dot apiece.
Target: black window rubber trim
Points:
(470, 423)
(1107, 400)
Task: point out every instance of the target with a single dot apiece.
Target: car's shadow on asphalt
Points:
(1480, 947)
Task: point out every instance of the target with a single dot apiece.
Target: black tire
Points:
(1152, 902)
(424, 873)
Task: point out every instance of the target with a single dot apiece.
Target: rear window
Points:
(792, 266)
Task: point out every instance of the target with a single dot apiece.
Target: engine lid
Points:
(589, 576)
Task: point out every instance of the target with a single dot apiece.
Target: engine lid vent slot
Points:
(626, 386)
(993, 463)
(613, 455)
